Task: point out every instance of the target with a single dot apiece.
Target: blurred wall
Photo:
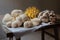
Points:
(6, 6)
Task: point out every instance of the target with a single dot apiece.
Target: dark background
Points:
(6, 6)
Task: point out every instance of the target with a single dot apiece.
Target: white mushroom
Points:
(19, 23)
(16, 23)
(7, 18)
(23, 17)
(19, 18)
(28, 24)
(9, 24)
(35, 21)
(16, 12)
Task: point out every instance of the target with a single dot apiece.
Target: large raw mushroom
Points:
(36, 21)
(28, 24)
(16, 12)
(6, 18)
(23, 17)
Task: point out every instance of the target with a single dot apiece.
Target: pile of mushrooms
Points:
(17, 18)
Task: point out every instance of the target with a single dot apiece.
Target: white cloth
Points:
(18, 32)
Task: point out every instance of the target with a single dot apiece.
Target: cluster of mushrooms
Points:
(18, 18)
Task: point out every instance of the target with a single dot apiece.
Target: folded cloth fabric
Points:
(2, 34)
(18, 32)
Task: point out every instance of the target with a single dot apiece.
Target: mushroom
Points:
(7, 18)
(9, 24)
(52, 17)
(16, 12)
(16, 23)
(36, 21)
(28, 24)
(45, 19)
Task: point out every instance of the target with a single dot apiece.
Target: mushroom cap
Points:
(19, 18)
(28, 24)
(19, 23)
(45, 12)
(35, 21)
(14, 24)
(7, 18)
(24, 17)
(16, 12)
(9, 24)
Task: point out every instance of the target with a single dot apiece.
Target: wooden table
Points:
(54, 26)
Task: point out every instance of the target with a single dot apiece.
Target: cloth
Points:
(18, 32)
